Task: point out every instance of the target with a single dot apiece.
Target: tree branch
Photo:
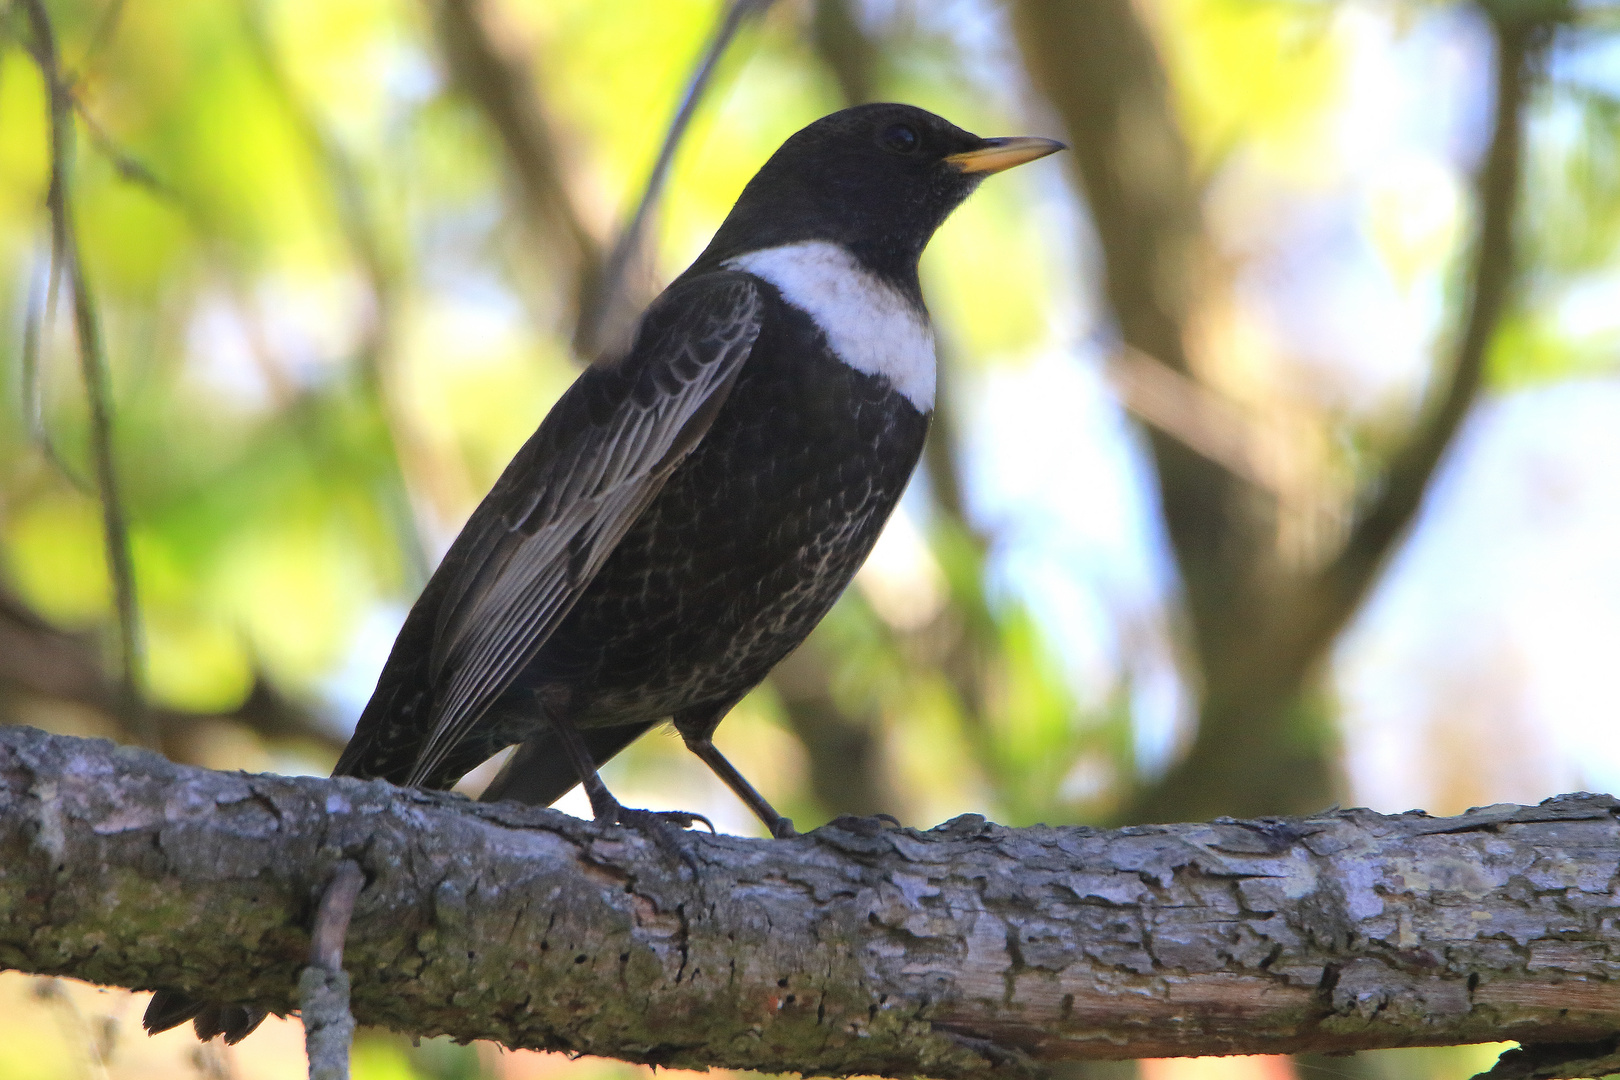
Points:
(1099, 67)
(323, 987)
(67, 260)
(39, 660)
(1336, 593)
(503, 88)
(1260, 628)
(611, 307)
(858, 949)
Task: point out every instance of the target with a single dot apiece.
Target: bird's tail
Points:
(538, 773)
(171, 1008)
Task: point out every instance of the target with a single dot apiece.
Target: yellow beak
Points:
(998, 154)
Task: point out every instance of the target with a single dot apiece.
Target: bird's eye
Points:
(900, 138)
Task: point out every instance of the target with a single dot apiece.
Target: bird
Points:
(695, 502)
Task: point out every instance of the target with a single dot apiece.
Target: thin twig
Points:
(40, 316)
(93, 362)
(128, 166)
(38, 319)
(115, 526)
(323, 987)
(596, 320)
(332, 918)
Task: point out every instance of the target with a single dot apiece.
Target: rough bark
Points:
(857, 949)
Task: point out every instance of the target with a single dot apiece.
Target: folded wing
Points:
(570, 495)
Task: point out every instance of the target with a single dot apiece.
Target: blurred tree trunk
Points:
(844, 48)
(1097, 64)
(848, 770)
(1259, 630)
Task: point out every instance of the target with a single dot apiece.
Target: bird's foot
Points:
(782, 829)
(663, 827)
(610, 811)
(872, 825)
(683, 818)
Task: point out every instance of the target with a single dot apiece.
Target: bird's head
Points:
(876, 179)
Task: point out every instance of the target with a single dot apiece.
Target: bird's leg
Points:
(604, 807)
(780, 827)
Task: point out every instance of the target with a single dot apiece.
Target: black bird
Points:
(692, 507)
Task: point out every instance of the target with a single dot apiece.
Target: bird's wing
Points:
(574, 490)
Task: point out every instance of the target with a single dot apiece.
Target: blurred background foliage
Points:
(1260, 480)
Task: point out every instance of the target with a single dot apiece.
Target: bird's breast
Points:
(867, 322)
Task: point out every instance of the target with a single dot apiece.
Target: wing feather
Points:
(573, 492)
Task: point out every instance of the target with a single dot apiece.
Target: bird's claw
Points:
(872, 825)
(615, 813)
(684, 818)
(659, 826)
